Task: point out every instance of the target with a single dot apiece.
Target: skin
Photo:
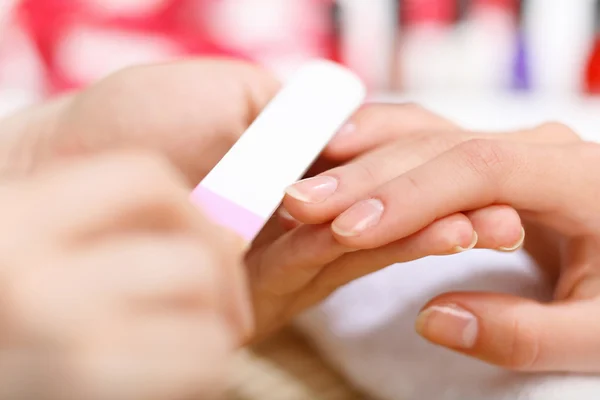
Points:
(191, 113)
(543, 174)
(93, 304)
(188, 115)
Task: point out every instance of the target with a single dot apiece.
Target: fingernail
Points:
(516, 245)
(283, 213)
(358, 218)
(346, 130)
(313, 190)
(448, 325)
(460, 249)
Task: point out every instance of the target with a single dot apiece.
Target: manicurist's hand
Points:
(114, 287)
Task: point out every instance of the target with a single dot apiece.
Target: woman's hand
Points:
(547, 174)
(293, 270)
(114, 286)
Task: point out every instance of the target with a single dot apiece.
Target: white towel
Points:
(366, 331)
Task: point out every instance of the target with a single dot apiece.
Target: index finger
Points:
(475, 174)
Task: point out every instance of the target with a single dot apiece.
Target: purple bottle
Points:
(521, 79)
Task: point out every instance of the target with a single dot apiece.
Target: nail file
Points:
(245, 188)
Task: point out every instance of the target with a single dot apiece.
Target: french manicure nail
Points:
(283, 213)
(313, 190)
(358, 218)
(516, 245)
(460, 249)
(448, 325)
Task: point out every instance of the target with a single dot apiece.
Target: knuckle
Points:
(199, 265)
(149, 175)
(559, 130)
(486, 157)
(366, 170)
(145, 184)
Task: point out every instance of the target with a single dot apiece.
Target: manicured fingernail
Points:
(448, 325)
(358, 218)
(313, 190)
(517, 245)
(283, 213)
(460, 249)
(346, 130)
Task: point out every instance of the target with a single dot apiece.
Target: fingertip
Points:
(455, 233)
(499, 228)
(302, 212)
(448, 325)
(357, 226)
(449, 235)
(286, 220)
(501, 329)
(516, 244)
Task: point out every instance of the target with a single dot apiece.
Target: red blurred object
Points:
(428, 11)
(509, 5)
(592, 72)
(49, 21)
(79, 41)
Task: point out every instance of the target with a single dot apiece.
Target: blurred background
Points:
(406, 49)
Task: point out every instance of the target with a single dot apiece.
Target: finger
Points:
(273, 229)
(378, 124)
(106, 117)
(111, 189)
(287, 221)
(130, 191)
(292, 260)
(451, 235)
(473, 175)
(320, 199)
(158, 356)
(138, 273)
(514, 332)
(284, 268)
(498, 227)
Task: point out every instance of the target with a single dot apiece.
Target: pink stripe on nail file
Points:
(228, 214)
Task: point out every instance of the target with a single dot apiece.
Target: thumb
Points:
(514, 332)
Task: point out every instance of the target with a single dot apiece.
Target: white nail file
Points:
(245, 188)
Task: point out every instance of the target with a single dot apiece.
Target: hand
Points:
(422, 179)
(114, 286)
(192, 112)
